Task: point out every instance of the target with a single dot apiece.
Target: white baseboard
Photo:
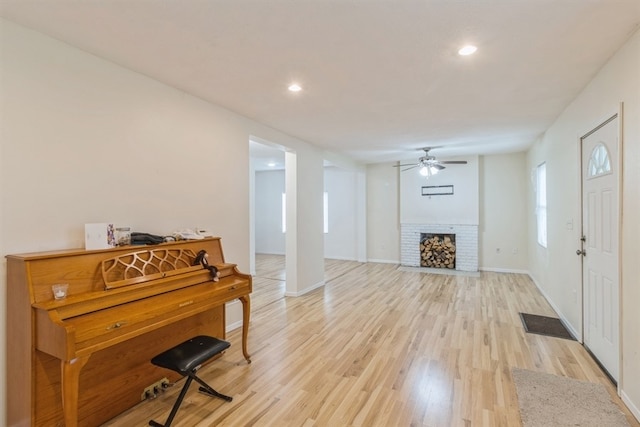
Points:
(570, 327)
(384, 261)
(231, 326)
(505, 270)
(304, 291)
(630, 404)
(339, 258)
(565, 322)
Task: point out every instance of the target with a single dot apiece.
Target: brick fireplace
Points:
(466, 244)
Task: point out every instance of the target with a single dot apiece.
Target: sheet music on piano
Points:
(89, 353)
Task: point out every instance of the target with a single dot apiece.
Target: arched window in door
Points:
(599, 163)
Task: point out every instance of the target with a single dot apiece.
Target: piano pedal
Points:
(155, 389)
(150, 395)
(162, 387)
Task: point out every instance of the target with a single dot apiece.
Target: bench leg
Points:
(207, 389)
(174, 410)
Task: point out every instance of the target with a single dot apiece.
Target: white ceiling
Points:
(380, 78)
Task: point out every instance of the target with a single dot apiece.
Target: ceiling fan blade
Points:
(410, 167)
(407, 164)
(454, 162)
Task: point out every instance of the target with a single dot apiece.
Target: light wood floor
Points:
(378, 347)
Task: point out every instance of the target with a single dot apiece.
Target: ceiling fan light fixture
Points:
(428, 170)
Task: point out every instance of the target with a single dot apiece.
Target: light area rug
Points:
(550, 400)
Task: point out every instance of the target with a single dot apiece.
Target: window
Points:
(599, 163)
(541, 203)
(326, 212)
(284, 213)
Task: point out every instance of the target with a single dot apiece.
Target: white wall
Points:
(500, 182)
(504, 181)
(557, 270)
(341, 242)
(84, 140)
(383, 213)
(459, 208)
(87, 141)
(269, 186)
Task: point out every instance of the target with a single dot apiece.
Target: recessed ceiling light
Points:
(295, 87)
(467, 50)
(271, 164)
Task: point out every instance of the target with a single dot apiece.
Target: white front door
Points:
(600, 244)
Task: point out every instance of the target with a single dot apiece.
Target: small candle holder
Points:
(60, 290)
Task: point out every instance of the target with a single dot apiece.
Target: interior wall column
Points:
(304, 183)
(291, 238)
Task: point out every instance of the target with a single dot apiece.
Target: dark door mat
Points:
(543, 325)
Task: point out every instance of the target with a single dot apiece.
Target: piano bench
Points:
(185, 359)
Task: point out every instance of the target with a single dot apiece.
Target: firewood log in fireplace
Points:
(437, 252)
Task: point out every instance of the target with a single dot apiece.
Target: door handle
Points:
(579, 252)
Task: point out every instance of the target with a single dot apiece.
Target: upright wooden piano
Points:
(84, 359)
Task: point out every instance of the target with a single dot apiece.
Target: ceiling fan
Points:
(428, 164)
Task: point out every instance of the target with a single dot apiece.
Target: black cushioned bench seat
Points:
(186, 358)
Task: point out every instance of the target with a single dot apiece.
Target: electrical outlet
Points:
(151, 392)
